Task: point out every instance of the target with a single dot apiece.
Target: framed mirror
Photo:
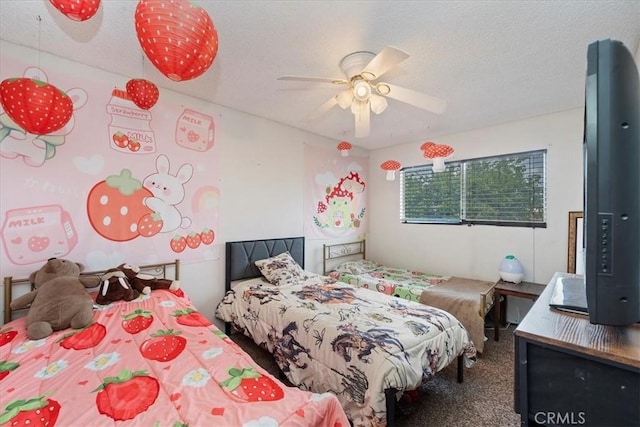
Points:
(575, 260)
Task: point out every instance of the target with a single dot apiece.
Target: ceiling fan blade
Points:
(314, 79)
(362, 114)
(417, 99)
(388, 58)
(329, 104)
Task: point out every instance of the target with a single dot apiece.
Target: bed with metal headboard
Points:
(327, 336)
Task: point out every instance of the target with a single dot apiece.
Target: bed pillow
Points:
(358, 267)
(280, 269)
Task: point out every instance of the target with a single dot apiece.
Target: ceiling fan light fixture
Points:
(361, 90)
(383, 89)
(344, 98)
(378, 103)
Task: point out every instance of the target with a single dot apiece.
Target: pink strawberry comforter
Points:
(154, 361)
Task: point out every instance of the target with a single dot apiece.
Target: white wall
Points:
(476, 251)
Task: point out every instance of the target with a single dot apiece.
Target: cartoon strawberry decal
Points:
(176, 23)
(137, 321)
(250, 386)
(150, 224)
(127, 395)
(143, 93)
(163, 346)
(207, 236)
(178, 243)
(6, 367)
(193, 240)
(7, 335)
(190, 317)
(36, 106)
(84, 338)
(35, 412)
(120, 139)
(116, 205)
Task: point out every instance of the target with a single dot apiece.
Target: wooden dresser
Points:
(571, 372)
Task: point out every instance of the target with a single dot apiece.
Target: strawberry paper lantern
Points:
(179, 38)
(78, 10)
(36, 106)
(143, 93)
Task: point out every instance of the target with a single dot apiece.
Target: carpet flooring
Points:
(485, 398)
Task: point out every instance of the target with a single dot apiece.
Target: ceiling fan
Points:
(364, 93)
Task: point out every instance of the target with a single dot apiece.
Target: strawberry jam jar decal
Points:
(35, 234)
(195, 130)
(130, 128)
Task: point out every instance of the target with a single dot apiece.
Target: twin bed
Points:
(153, 361)
(365, 347)
(469, 300)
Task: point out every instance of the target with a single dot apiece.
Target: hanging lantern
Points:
(36, 106)
(143, 93)
(437, 153)
(78, 10)
(179, 39)
(344, 148)
(391, 166)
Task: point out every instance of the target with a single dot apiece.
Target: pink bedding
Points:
(154, 361)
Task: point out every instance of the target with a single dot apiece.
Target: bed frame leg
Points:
(390, 397)
(460, 368)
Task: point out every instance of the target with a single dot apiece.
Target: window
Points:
(500, 190)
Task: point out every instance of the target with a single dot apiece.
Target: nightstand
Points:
(526, 290)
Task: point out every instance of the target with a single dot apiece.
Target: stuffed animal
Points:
(115, 287)
(60, 299)
(145, 283)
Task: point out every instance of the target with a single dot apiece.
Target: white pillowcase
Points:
(358, 267)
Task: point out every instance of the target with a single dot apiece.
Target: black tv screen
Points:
(612, 185)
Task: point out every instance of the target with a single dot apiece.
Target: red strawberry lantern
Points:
(143, 93)
(179, 38)
(36, 106)
(78, 10)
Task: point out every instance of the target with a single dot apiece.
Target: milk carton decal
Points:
(34, 150)
(195, 130)
(34, 234)
(130, 127)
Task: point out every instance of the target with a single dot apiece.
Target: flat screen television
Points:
(611, 151)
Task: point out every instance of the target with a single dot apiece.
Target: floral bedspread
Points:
(401, 283)
(153, 361)
(328, 336)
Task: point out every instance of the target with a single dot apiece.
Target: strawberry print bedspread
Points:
(153, 361)
(328, 336)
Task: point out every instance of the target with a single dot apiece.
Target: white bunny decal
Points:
(168, 191)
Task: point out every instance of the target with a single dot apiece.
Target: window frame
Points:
(461, 164)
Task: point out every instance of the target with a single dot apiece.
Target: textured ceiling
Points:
(492, 61)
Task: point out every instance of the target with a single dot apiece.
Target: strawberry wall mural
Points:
(118, 183)
(335, 194)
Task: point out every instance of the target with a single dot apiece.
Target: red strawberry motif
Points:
(143, 93)
(120, 139)
(178, 292)
(78, 10)
(36, 106)
(207, 236)
(116, 205)
(193, 240)
(150, 224)
(6, 367)
(160, 24)
(137, 321)
(84, 338)
(7, 335)
(127, 395)
(250, 386)
(163, 346)
(38, 243)
(178, 243)
(190, 317)
(33, 412)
